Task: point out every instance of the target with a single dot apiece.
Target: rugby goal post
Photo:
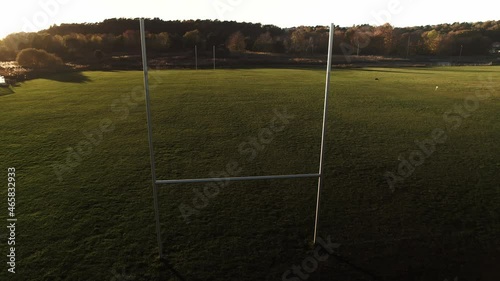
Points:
(156, 182)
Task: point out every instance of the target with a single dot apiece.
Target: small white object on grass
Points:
(437, 87)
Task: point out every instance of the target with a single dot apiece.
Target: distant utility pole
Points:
(357, 53)
(408, 48)
(461, 49)
(214, 57)
(196, 56)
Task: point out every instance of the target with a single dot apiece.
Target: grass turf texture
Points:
(98, 224)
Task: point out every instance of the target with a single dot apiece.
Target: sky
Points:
(35, 15)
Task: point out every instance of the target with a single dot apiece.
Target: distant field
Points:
(84, 200)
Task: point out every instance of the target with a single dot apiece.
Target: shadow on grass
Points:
(357, 268)
(67, 77)
(5, 91)
(390, 71)
(170, 268)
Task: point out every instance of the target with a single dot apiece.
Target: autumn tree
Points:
(5, 53)
(37, 59)
(160, 42)
(78, 41)
(299, 39)
(16, 41)
(131, 39)
(386, 33)
(264, 43)
(320, 41)
(432, 41)
(359, 40)
(236, 42)
(192, 38)
(94, 41)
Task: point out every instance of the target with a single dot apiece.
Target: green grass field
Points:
(84, 202)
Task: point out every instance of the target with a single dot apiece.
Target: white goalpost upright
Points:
(321, 178)
(156, 182)
(150, 135)
(196, 56)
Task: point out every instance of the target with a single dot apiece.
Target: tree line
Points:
(74, 42)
